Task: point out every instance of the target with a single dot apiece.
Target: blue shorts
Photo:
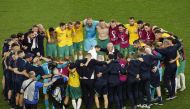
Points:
(155, 79)
(8, 79)
(18, 85)
(89, 43)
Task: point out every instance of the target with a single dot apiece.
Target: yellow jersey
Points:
(165, 35)
(51, 39)
(132, 32)
(79, 34)
(69, 36)
(74, 79)
(61, 37)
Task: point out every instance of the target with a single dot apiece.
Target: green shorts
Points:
(78, 46)
(103, 43)
(73, 92)
(181, 68)
(51, 50)
(69, 50)
(65, 51)
(61, 51)
(124, 52)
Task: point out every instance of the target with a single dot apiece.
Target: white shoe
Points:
(140, 106)
(173, 97)
(146, 106)
(182, 89)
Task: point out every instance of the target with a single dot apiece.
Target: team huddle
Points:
(109, 64)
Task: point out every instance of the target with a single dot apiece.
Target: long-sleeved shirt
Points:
(89, 70)
(170, 52)
(133, 68)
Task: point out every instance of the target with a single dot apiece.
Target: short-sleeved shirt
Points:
(79, 34)
(31, 93)
(69, 36)
(91, 31)
(133, 32)
(124, 39)
(74, 79)
(113, 35)
(61, 37)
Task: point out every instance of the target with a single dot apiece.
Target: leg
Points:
(167, 81)
(182, 76)
(21, 102)
(97, 101)
(116, 97)
(79, 102)
(46, 101)
(74, 104)
(130, 93)
(105, 101)
(147, 90)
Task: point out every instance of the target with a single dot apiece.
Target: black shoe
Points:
(159, 101)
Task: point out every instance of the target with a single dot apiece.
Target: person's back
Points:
(30, 88)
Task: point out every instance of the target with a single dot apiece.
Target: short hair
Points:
(101, 20)
(113, 21)
(77, 23)
(19, 52)
(14, 45)
(31, 73)
(132, 18)
(51, 29)
(34, 26)
(121, 25)
(97, 46)
(157, 31)
(61, 24)
(140, 22)
(136, 41)
(70, 23)
(13, 36)
(147, 24)
(30, 32)
(89, 18)
(19, 35)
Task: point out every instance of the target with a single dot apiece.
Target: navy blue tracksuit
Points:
(114, 68)
(133, 68)
(170, 53)
(87, 85)
(101, 82)
(145, 70)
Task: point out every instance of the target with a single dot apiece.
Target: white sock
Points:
(182, 75)
(80, 57)
(74, 104)
(79, 102)
(75, 57)
(63, 107)
(178, 82)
